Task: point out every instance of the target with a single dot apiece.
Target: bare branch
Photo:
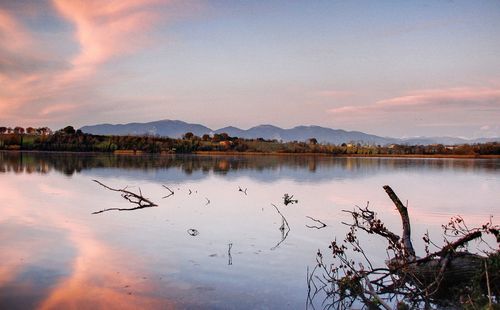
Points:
(131, 197)
(403, 212)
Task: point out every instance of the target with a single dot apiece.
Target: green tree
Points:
(69, 130)
(19, 130)
(188, 136)
(313, 141)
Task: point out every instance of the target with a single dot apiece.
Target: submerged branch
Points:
(323, 225)
(171, 192)
(134, 198)
(243, 191)
(284, 228)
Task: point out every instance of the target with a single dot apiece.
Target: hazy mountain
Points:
(445, 140)
(302, 133)
(175, 129)
(166, 128)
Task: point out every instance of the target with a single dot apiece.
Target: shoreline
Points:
(221, 153)
(353, 155)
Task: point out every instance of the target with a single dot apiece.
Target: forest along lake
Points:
(216, 241)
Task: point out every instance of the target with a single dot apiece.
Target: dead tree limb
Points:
(403, 212)
(137, 199)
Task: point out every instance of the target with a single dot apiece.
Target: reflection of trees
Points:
(69, 163)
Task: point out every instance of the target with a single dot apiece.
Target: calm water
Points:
(55, 253)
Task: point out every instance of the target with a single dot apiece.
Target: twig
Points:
(371, 290)
(170, 194)
(323, 225)
(451, 246)
(287, 199)
(208, 201)
(488, 285)
(243, 191)
(230, 257)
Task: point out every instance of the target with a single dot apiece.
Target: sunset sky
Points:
(392, 68)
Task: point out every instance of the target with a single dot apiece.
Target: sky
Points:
(391, 68)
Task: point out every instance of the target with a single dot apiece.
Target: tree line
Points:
(69, 139)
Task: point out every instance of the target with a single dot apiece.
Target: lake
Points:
(216, 242)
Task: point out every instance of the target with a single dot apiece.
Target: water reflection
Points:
(56, 254)
(263, 168)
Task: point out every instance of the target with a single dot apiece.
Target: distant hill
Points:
(445, 140)
(166, 128)
(302, 133)
(175, 129)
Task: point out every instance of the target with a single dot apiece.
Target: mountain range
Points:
(176, 128)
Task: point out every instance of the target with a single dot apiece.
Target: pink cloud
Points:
(106, 29)
(449, 99)
(462, 95)
(57, 109)
(12, 32)
(35, 78)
